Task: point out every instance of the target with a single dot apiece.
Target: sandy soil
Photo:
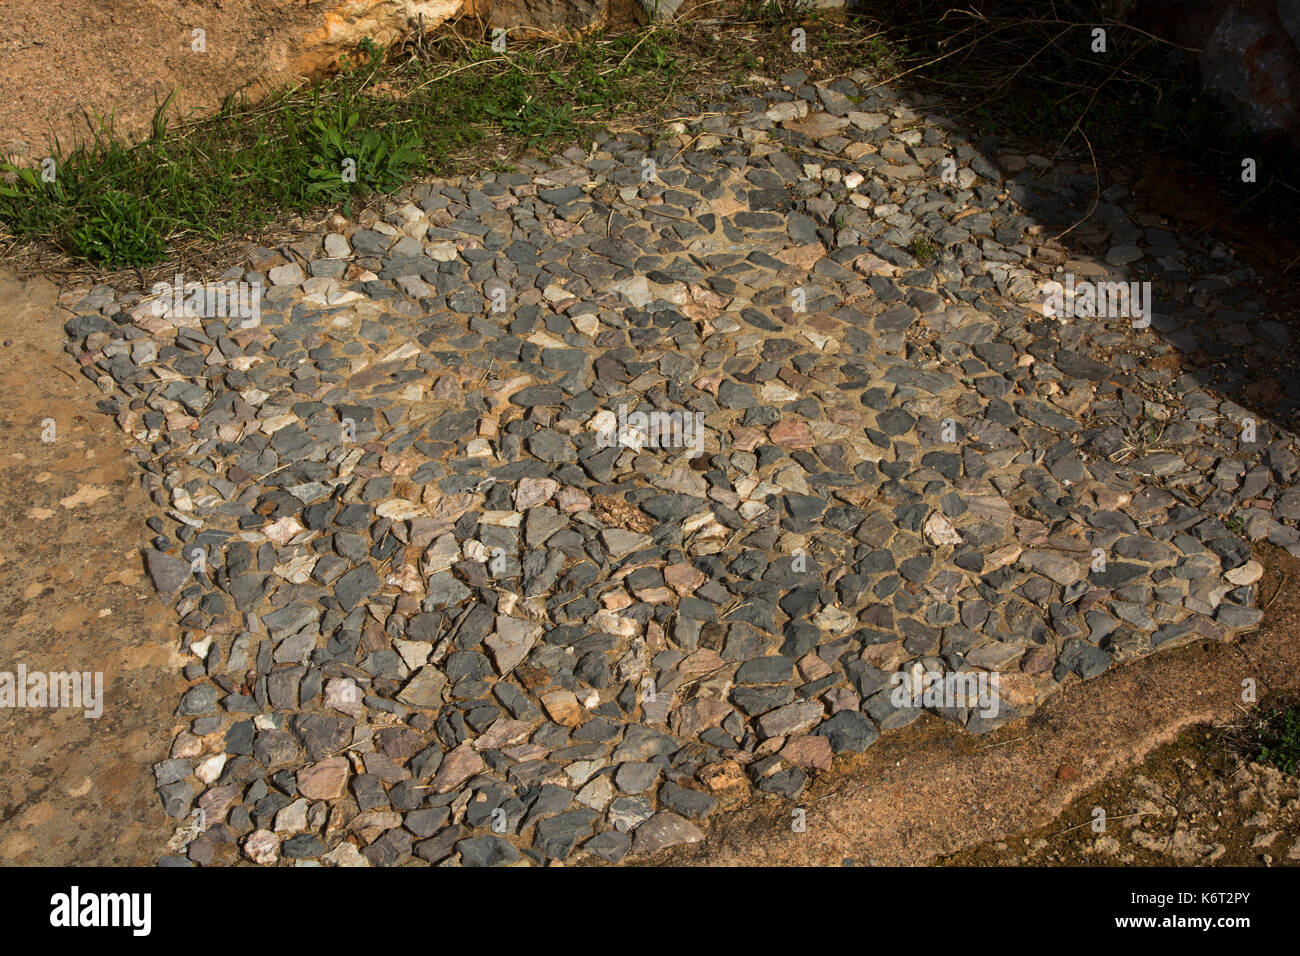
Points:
(73, 596)
(63, 62)
(65, 65)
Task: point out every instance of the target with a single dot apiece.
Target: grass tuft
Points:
(387, 117)
(1279, 740)
(1269, 733)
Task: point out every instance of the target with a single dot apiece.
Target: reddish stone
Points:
(323, 780)
(746, 439)
(457, 767)
(684, 578)
(808, 751)
(790, 434)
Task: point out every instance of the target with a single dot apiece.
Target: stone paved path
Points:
(451, 605)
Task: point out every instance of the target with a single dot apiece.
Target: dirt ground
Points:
(61, 63)
(1190, 803)
(65, 65)
(73, 596)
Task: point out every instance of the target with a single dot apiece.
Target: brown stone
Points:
(843, 415)
(572, 500)
(684, 578)
(842, 698)
(531, 19)
(702, 661)
(217, 801)
(808, 751)
(457, 767)
(791, 434)
(1038, 661)
(324, 779)
(614, 512)
(562, 706)
(794, 379)
(746, 439)
(699, 715)
(885, 656)
(372, 823)
(812, 667)
(722, 776)
(531, 676)
(802, 257)
(503, 733)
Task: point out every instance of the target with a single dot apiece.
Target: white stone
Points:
(288, 274)
(283, 530)
(415, 654)
(635, 289)
(597, 794)
(441, 554)
(345, 854)
(580, 771)
(399, 509)
(939, 530)
(1248, 573)
(781, 112)
(511, 641)
(262, 846)
(209, 768)
(834, 619)
(337, 246)
(343, 694)
(293, 818)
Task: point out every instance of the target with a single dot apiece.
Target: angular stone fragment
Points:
(791, 719)
(425, 688)
(663, 830)
(1062, 568)
(323, 780)
(457, 766)
(168, 574)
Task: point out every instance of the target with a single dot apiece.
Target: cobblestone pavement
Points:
(555, 509)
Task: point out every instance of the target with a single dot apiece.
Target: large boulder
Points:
(662, 9)
(1248, 52)
(524, 18)
(343, 24)
(1252, 62)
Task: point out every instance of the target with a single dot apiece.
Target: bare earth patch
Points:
(125, 58)
(73, 596)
